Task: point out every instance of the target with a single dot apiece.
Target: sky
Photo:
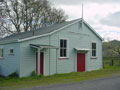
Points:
(102, 15)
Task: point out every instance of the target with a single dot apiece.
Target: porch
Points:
(40, 55)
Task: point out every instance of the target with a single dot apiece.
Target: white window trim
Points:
(67, 56)
(93, 57)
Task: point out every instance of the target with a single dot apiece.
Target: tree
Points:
(107, 50)
(2, 16)
(111, 49)
(26, 15)
(116, 50)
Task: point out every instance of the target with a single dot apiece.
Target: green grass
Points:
(15, 83)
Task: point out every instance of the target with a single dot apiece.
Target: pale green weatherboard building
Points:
(71, 46)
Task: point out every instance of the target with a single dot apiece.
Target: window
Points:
(63, 48)
(1, 53)
(11, 51)
(93, 49)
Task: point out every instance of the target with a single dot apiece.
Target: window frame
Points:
(94, 50)
(1, 53)
(66, 48)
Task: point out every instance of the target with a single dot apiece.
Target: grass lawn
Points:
(15, 83)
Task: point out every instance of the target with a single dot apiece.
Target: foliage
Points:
(14, 74)
(25, 15)
(34, 73)
(111, 48)
(2, 16)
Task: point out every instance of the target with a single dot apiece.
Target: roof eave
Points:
(8, 42)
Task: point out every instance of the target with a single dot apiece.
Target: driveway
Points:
(112, 83)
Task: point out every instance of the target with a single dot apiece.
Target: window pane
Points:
(12, 51)
(65, 43)
(95, 53)
(1, 52)
(93, 45)
(61, 43)
(60, 52)
(65, 53)
(92, 53)
(63, 48)
(93, 49)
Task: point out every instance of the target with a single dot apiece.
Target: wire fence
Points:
(111, 61)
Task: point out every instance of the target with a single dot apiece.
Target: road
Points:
(112, 83)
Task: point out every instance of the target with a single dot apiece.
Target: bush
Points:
(34, 73)
(14, 74)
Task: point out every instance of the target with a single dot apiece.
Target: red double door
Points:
(80, 62)
(41, 62)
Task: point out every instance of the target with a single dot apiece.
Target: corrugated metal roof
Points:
(39, 31)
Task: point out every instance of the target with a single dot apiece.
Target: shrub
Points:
(14, 74)
(34, 73)
(41, 76)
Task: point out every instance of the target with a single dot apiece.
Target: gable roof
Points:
(41, 32)
(93, 31)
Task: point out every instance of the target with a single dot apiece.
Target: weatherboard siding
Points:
(94, 64)
(66, 65)
(28, 60)
(77, 38)
(63, 65)
(10, 63)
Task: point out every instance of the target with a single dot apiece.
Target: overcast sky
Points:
(102, 15)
